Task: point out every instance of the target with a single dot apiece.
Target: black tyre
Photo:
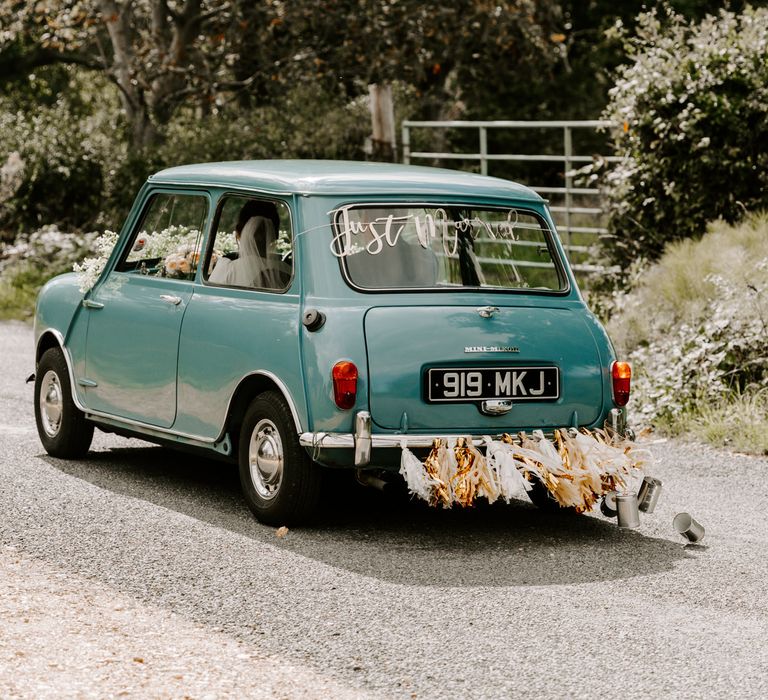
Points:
(543, 499)
(62, 427)
(279, 480)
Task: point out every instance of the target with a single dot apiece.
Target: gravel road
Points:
(139, 572)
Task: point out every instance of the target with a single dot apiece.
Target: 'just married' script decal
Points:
(353, 236)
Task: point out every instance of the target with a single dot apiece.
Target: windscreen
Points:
(448, 246)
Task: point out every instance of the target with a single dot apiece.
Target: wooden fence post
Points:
(383, 144)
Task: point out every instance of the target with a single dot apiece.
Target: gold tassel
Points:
(463, 486)
(440, 492)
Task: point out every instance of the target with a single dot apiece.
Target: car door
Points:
(135, 314)
(244, 316)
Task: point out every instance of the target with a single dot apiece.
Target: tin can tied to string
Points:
(689, 528)
(648, 495)
(626, 510)
(608, 504)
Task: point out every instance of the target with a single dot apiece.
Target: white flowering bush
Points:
(31, 260)
(89, 269)
(693, 103)
(695, 327)
(48, 247)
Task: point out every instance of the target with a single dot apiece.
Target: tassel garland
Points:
(577, 468)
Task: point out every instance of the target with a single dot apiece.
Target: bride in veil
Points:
(255, 266)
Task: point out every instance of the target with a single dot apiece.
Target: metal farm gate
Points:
(576, 210)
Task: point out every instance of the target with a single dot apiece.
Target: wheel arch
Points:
(248, 389)
(50, 339)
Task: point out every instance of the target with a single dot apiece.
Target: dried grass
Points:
(738, 422)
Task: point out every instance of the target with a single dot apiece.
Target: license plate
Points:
(450, 384)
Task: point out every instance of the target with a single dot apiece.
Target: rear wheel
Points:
(280, 482)
(62, 427)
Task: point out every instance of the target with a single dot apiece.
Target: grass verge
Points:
(739, 421)
(19, 286)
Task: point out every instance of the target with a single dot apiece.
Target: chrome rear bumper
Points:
(362, 441)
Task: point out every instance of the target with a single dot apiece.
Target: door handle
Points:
(90, 304)
(171, 299)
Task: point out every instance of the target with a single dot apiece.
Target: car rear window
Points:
(446, 246)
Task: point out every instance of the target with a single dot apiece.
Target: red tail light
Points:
(344, 384)
(621, 373)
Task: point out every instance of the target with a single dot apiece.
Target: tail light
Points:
(621, 373)
(344, 384)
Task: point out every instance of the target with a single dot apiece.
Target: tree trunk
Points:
(117, 19)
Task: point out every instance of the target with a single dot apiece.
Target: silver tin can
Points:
(626, 510)
(689, 528)
(608, 504)
(648, 495)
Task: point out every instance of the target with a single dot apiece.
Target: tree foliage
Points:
(105, 91)
(158, 53)
(162, 54)
(692, 100)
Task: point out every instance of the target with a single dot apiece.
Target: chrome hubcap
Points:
(265, 458)
(51, 403)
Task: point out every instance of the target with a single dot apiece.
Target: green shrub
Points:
(693, 100)
(695, 326)
(62, 155)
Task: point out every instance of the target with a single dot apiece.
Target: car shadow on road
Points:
(389, 536)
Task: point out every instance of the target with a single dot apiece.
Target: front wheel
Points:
(280, 482)
(62, 427)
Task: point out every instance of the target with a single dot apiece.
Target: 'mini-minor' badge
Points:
(491, 348)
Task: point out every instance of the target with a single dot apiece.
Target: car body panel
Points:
(333, 178)
(132, 347)
(404, 342)
(221, 342)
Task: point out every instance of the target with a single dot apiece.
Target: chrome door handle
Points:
(496, 408)
(171, 299)
(90, 304)
(488, 311)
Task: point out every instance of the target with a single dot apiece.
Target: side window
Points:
(167, 243)
(252, 245)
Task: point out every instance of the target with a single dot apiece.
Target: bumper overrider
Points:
(363, 440)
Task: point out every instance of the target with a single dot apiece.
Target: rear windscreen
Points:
(449, 246)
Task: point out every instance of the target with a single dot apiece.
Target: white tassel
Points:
(485, 477)
(412, 470)
(550, 457)
(541, 451)
(501, 461)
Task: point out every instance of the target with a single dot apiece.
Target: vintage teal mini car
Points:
(295, 315)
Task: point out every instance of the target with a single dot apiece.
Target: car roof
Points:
(327, 177)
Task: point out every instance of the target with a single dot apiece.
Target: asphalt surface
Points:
(385, 597)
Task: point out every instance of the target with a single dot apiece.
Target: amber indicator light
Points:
(621, 374)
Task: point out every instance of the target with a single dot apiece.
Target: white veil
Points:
(251, 269)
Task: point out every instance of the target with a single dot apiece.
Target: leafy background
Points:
(97, 94)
